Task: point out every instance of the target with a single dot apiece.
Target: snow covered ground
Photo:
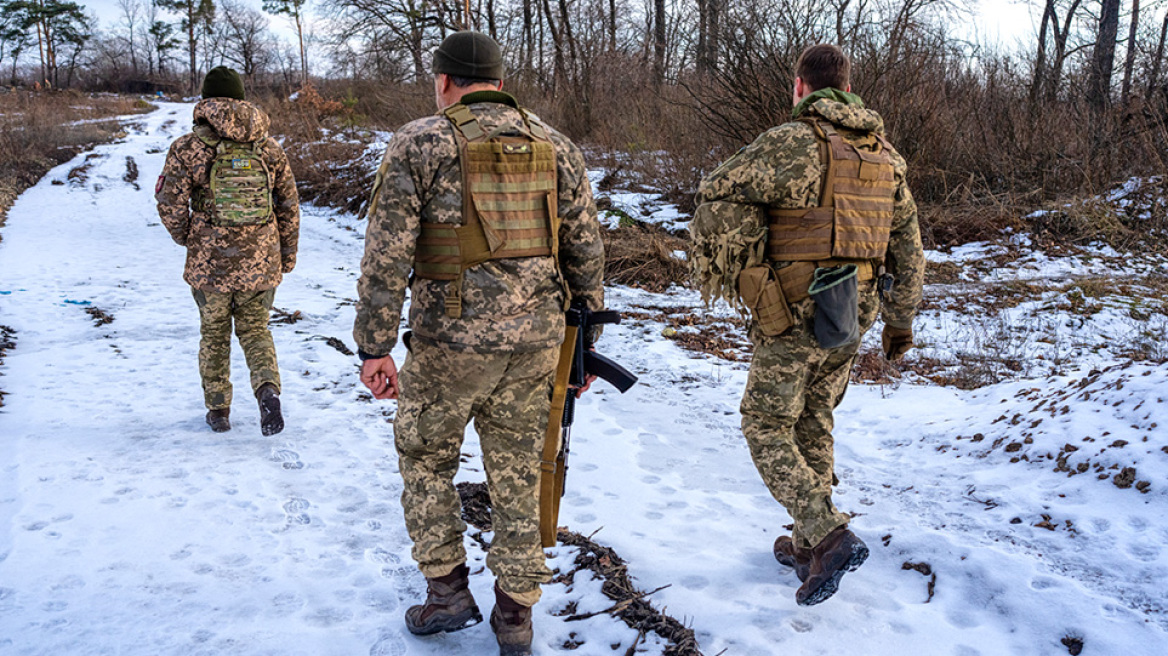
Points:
(127, 527)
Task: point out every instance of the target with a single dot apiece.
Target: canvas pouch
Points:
(760, 291)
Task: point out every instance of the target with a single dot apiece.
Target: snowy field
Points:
(127, 527)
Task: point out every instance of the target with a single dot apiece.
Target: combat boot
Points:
(837, 554)
(511, 621)
(271, 420)
(449, 605)
(218, 421)
(788, 554)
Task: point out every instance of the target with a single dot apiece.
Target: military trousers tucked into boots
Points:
(792, 390)
(508, 397)
(249, 312)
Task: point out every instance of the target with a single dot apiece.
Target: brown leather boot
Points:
(449, 605)
(218, 421)
(837, 554)
(788, 554)
(512, 624)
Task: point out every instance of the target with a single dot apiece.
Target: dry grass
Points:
(39, 130)
(642, 256)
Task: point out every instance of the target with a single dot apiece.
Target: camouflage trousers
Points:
(508, 397)
(249, 312)
(792, 390)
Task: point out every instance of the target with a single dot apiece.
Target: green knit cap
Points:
(469, 54)
(223, 82)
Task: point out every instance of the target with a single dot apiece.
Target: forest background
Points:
(1066, 106)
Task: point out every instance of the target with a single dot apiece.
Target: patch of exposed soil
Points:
(100, 317)
(7, 343)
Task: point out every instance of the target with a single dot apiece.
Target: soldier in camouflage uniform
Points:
(233, 269)
(794, 382)
(484, 346)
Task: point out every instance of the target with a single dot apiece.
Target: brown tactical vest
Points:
(510, 195)
(854, 216)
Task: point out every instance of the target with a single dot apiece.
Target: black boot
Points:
(449, 605)
(217, 420)
(837, 554)
(271, 421)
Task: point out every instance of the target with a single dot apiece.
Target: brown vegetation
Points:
(41, 130)
(603, 562)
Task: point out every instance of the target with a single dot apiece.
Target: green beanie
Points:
(223, 82)
(469, 54)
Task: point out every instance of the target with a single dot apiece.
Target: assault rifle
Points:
(577, 361)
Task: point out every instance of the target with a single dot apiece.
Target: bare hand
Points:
(380, 376)
(588, 380)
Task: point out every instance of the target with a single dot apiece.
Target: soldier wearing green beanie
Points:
(227, 194)
(223, 82)
(487, 321)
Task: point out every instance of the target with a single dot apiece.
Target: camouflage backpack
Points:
(240, 189)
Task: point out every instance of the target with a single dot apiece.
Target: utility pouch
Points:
(837, 305)
(759, 289)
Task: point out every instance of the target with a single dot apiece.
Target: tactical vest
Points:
(510, 196)
(856, 198)
(240, 188)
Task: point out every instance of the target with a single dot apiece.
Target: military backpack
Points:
(240, 189)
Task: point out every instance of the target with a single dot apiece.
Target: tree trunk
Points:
(659, 39)
(1040, 56)
(1103, 60)
(1154, 77)
(191, 43)
(1130, 60)
(303, 53)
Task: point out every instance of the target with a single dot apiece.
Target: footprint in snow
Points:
(289, 458)
(295, 508)
(389, 643)
(382, 557)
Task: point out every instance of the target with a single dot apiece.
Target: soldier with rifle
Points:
(486, 213)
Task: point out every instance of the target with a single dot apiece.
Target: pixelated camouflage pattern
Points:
(794, 385)
(782, 169)
(230, 258)
(249, 312)
(508, 397)
(507, 305)
(791, 392)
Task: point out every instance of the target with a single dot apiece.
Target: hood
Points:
(237, 120)
(841, 108)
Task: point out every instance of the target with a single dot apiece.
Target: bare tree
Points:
(1103, 59)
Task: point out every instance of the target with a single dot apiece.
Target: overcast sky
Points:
(1005, 22)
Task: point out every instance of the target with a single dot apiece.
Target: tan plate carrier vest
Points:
(851, 225)
(856, 198)
(510, 195)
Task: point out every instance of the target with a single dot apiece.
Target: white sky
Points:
(1002, 22)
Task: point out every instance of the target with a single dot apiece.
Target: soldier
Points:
(835, 219)
(492, 211)
(227, 194)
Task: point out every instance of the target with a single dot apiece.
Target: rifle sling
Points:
(551, 483)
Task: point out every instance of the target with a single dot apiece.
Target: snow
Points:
(127, 527)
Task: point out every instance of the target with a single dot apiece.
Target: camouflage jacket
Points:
(782, 168)
(236, 258)
(508, 304)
